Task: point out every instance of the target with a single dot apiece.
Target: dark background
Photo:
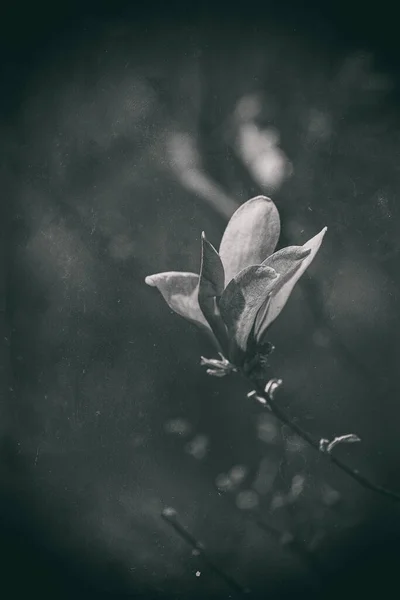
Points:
(122, 139)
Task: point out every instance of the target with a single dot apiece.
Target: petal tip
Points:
(321, 234)
(150, 280)
(316, 241)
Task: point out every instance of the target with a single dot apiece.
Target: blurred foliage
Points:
(127, 145)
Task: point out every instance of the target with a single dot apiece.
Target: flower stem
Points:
(266, 399)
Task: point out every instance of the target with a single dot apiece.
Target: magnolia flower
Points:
(242, 288)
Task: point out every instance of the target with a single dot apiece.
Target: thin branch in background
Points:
(295, 545)
(291, 541)
(266, 399)
(286, 538)
(170, 516)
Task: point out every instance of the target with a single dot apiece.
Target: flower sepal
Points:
(257, 361)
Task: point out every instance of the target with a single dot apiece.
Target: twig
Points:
(266, 398)
(296, 546)
(170, 516)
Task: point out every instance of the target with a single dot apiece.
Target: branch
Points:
(266, 399)
(296, 546)
(170, 516)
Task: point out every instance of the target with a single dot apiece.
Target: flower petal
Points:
(211, 286)
(290, 263)
(250, 236)
(212, 275)
(242, 300)
(180, 291)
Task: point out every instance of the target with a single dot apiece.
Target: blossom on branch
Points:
(243, 287)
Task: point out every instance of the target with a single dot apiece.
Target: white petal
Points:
(211, 287)
(212, 274)
(242, 300)
(290, 277)
(180, 291)
(250, 236)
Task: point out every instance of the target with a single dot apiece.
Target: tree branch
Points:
(170, 516)
(266, 398)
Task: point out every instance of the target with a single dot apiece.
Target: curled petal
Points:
(211, 286)
(250, 236)
(290, 263)
(241, 302)
(180, 291)
(286, 262)
(212, 274)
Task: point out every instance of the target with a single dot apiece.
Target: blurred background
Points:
(127, 131)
